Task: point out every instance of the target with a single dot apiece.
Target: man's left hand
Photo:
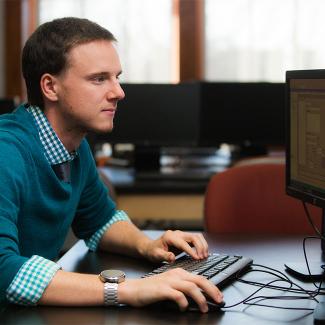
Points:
(194, 244)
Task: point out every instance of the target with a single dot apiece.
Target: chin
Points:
(103, 130)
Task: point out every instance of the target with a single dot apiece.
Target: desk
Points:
(271, 251)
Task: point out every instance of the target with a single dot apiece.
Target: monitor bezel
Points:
(190, 137)
(310, 196)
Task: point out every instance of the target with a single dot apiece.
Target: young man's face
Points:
(89, 89)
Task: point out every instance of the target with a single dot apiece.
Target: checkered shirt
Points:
(54, 150)
(37, 272)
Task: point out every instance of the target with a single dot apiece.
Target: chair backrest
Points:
(252, 199)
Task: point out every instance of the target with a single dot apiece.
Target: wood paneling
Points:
(162, 206)
(191, 46)
(188, 57)
(12, 41)
(20, 22)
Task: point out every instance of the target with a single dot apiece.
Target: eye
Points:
(99, 79)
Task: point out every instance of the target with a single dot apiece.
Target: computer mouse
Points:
(192, 305)
(212, 305)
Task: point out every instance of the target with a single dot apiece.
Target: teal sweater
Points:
(36, 208)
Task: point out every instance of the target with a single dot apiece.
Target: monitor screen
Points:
(238, 113)
(157, 115)
(305, 115)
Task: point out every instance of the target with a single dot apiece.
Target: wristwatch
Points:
(111, 279)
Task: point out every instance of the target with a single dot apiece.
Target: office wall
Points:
(2, 74)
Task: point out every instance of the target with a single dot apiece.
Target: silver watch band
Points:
(110, 294)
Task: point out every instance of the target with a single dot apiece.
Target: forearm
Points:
(125, 238)
(73, 289)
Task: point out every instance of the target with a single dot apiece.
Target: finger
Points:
(198, 241)
(199, 245)
(160, 254)
(207, 287)
(179, 298)
(183, 245)
(205, 245)
(193, 291)
(178, 239)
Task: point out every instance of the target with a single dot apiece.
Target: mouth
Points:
(109, 111)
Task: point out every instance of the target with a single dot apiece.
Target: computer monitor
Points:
(157, 115)
(246, 114)
(153, 116)
(199, 116)
(305, 139)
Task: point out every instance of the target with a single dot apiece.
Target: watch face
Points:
(114, 276)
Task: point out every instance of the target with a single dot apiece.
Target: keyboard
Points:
(218, 268)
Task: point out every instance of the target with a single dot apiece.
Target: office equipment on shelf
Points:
(218, 268)
(196, 115)
(179, 174)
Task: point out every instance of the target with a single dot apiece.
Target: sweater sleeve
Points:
(95, 208)
(13, 177)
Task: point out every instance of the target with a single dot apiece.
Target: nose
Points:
(119, 91)
(116, 92)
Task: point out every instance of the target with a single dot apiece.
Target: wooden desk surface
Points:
(271, 251)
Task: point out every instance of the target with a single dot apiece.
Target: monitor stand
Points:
(317, 269)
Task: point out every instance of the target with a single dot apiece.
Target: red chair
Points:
(252, 199)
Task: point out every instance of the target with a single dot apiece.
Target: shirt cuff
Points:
(94, 240)
(31, 280)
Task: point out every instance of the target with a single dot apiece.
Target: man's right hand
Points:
(173, 285)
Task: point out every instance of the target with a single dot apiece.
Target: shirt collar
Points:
(54, 150)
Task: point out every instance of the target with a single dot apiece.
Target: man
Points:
(49, 180)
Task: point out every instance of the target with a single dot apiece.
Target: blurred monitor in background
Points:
(7, 105)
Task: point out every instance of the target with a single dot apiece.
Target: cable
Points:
(311, 221)
(281, 277)
(319, 288)
(285, 279)
(251, 297)
(310, 295)
(307, 264)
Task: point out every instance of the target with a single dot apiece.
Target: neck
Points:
(70, 136)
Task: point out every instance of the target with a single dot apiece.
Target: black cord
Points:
(321, 237)
(251, 297)
(285, 278)
(311, 221)
(308, 294)
(311, 295)
(319, 287)
(280, 288)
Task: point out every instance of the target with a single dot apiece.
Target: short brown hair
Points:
(47, 48)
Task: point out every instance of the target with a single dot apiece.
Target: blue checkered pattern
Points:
(55, 152)
(35, 274)
(94, 240)
(32, 279)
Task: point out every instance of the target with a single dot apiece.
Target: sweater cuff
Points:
(94, 240)
(31, 280)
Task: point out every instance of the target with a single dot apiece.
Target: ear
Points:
(49, 87)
